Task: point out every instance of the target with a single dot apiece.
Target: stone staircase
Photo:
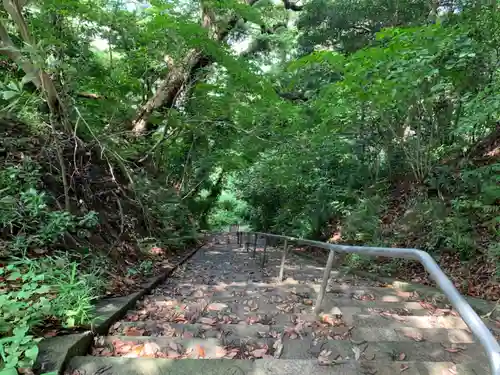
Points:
(222, 314)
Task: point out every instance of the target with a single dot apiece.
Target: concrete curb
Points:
(56, 352)
(481, 306)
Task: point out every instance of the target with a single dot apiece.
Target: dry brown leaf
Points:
(453, 350)
(217, 306)
(115, 326)
(453, 370)
(207, 321)
(324, 357)
(307, 302)
(176, 347)
(220, 352)
(172, 354)
(151, 348)
(233, 353)
(258, 353)
(403, 368)
(133, 331)
(402, 356)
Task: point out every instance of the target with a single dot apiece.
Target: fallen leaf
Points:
(453, 370)
(417, 336)
(259, 353)
(217, 306)
(151, 348)
(156, 250)
(200, 351)
(324, 357)
(208, 321)
(172, 354)
(403, 368)
(115, 326)
(308, 302)
(187, 335)
(26, 371)
(132, 318)
(122, 348)
(402, 356)
(51, 333)
(220, 352)
(133, 331)
(453, 350)
(233, 353)
(357, 352)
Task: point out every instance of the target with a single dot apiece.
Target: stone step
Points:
(306, 347)
(154, 366)
(357, 334)
(181, 348)
(439, 335)
(415, 308)
(309, 348)
(162, 328)
(242, 288)
(396, 321)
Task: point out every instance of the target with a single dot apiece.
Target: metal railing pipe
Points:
(470, 317)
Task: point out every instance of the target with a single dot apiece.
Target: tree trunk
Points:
(177, 77)
(181, 73)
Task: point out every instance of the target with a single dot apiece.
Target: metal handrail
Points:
(473, 321)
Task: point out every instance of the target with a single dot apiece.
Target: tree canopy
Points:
(372, 122)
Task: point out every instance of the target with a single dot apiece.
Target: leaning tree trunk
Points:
(182, 72)
(177, 77)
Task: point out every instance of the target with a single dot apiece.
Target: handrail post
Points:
(282, 267)
(247, 241)
(324, 283)
(263, 260)
(255, 245)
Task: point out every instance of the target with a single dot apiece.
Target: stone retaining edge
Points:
(56, 352)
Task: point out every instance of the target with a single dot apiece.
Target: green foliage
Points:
(145, 267)
(24, 210)
(35, 290)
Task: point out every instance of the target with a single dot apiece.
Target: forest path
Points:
(221, 313)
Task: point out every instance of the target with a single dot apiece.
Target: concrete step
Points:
(150, 366)
(162, 328)
(182, 348)
(396, 321)
(309, 348)
(306, 347)
(355, 333)
(439, 335)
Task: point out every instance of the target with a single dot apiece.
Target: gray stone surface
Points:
(370, 327)
(397, 321)
(54, 352)
(146, 366)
